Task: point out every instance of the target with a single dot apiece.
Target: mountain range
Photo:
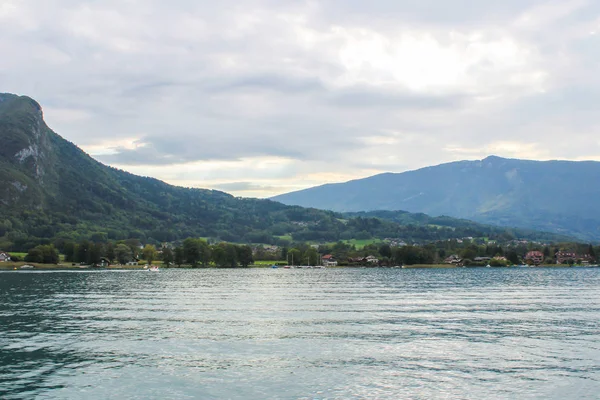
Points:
(553, 196)
(52, 190)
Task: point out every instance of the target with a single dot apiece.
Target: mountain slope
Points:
(50, 189)
(556, 196)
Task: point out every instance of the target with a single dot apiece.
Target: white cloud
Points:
(266, 96)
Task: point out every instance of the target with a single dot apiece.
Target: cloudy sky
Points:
(263, 97)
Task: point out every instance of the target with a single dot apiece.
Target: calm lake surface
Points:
(301, 334)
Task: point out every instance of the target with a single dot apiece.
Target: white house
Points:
(134, 261)
(372, 260)
(328, 261)
(4, 256)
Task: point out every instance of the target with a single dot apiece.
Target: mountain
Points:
(51, 190)
(553, 196)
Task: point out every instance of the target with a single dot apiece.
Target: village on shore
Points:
(197, 252)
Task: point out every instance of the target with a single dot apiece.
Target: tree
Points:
(69, 249)
(546, 251)
(179, 256)
(123, 253)
(43, 254)
(470, 252)
(311, 256)
(109, 251)
(204, 252)
(167, 256)
(149, 253)
(134, 245)
(218, 255)
(99, 237)
(191, 251)
(385, 250)
(230, 255)
(494, 262)
(513, 257)
(35, 255)
(83, 252)
(245, 255)
(295, 256)
(95, 253)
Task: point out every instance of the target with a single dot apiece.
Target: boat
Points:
(26, 267)
(153, 268)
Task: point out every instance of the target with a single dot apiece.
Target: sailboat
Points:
(320, 265)
(289, 266)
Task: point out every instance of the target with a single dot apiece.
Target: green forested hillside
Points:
(553, 196)
(50, 189)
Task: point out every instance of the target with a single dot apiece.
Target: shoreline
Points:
(10, 266)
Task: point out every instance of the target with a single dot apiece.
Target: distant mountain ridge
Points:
(51, 190)
(554, 196)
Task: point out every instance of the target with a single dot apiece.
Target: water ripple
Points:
(313, 334)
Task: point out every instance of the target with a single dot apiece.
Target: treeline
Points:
(198, 252)
(192, 252)
(433, 253)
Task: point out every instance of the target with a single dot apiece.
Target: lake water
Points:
(301, 334)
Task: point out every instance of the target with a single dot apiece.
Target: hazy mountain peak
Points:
(551, 195)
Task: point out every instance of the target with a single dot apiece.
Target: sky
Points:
(259, 98)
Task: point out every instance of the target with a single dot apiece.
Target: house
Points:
(372, 260)
(563, 257)
(482, 259)
(104, 262)
(328, 261)
(453, 259)
(500, 258)
(4, 257)
(535, 257)
(134, 261)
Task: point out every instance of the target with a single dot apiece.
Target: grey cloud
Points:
(287, 137)
(267, 82)
(198, 80)
(362, 97)
(429, 11)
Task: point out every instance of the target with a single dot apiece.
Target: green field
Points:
(362, 243)
(268, 263)
(285, 237)
(20, 255)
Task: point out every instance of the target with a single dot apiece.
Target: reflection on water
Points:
(339, 333)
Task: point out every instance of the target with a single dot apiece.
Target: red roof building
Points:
(535, 257)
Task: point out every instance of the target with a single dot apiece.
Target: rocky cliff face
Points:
(27, 152)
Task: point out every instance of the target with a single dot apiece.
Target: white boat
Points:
(26, 267)
(153, 268)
